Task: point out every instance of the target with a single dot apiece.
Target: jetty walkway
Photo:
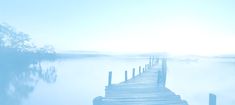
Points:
(146, 88)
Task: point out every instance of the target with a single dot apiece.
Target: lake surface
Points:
(78, 81)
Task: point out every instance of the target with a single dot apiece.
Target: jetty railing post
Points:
(133, 73)
(139, 70)
(212, 99)
(145, 67)
(153, 60)
(110, 78)
(126, 75)
(164, 69)
(148, 66)
(150, 61)
(157, 60)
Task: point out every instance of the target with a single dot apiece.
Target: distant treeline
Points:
(17, 47)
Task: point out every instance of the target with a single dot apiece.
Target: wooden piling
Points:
(159, 79)
(153, 60)
(145, 67)
(212, 99)
(126, 75)
(133, 73)
(110, 79)
(150, 60)
(148, 66)
(139, 70)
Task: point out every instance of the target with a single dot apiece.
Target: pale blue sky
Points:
(176, 26)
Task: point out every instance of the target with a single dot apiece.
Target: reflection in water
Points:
(19, 67)
(17, 81)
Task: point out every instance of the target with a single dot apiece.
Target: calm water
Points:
(78, 81)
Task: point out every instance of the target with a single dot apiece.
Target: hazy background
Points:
(203, 27)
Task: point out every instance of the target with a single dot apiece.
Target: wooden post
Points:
(139, 70)
(157, 60)
(143, 69)
(126, 75)
(159, 79)
(212, 99)
(153, 60)
(150, 60)
(133, 73)
(164, 70)
(110, 78)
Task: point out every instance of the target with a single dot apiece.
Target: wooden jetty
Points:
(146, 88)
